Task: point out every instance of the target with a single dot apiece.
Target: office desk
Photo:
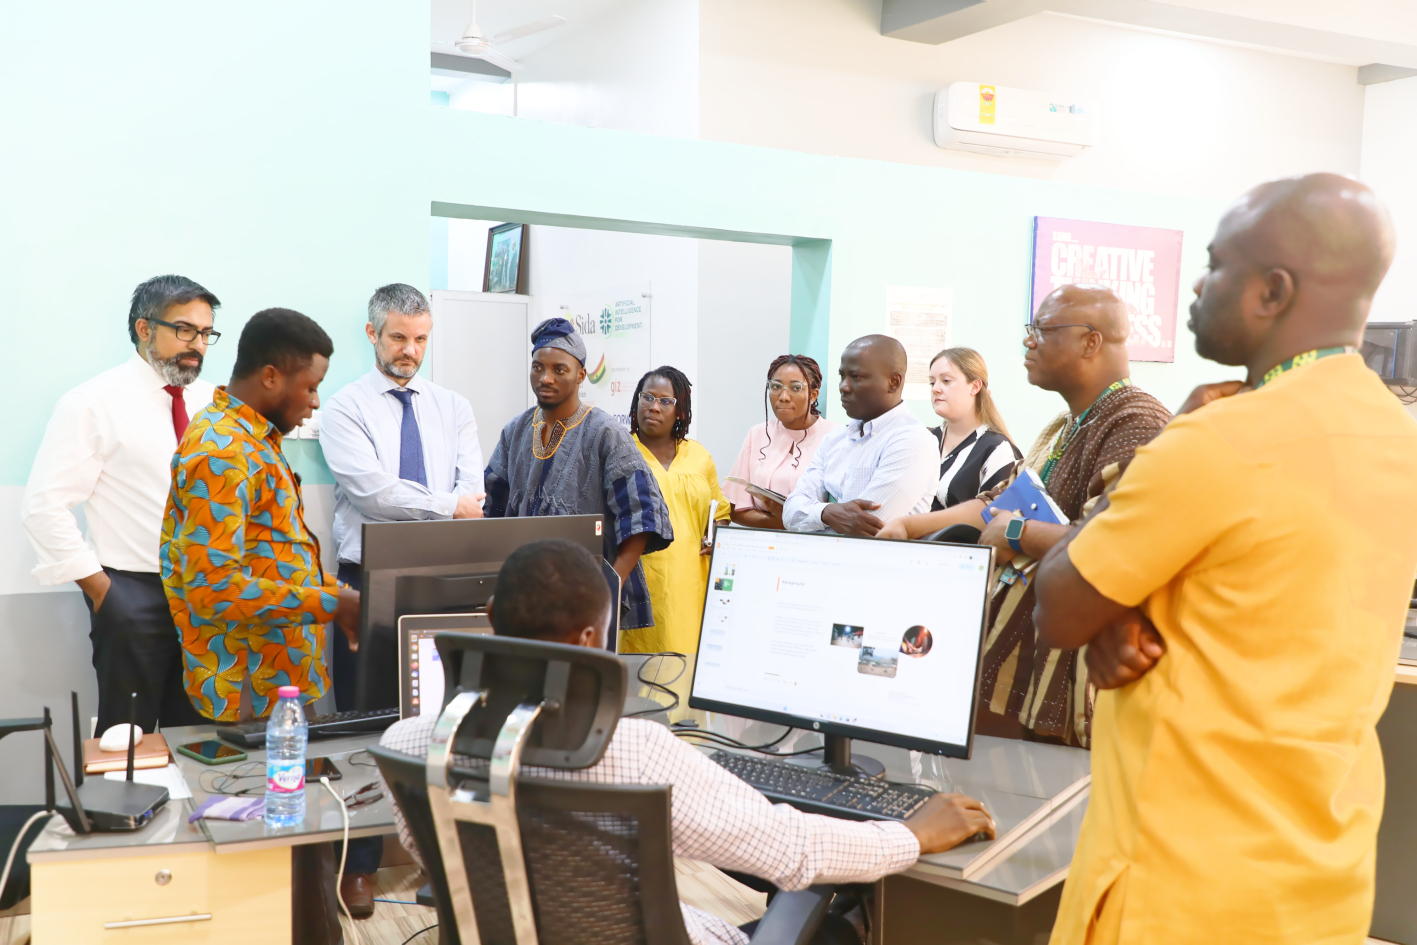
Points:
(979, 892)
(1394, 910)
(212, 881)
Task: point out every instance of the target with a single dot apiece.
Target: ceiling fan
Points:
(474, 44)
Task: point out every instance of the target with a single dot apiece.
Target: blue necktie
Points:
(410, 442)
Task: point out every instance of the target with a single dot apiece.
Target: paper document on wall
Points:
(615, 325)
(919, 318)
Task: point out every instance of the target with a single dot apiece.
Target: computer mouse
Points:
(115, 738)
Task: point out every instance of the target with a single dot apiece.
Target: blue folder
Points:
(1028, 497)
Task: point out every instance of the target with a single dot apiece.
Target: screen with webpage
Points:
(425, 674)
(878, 635)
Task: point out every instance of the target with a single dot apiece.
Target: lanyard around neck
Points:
(1299, 360)
(1065, 435)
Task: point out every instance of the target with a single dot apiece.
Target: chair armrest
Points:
(793, 917)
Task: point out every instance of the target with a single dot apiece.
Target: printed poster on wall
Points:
(1142, 264)
(919, 318)
(615, 324)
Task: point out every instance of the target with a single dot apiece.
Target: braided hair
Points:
(683, 408)
(813, 373)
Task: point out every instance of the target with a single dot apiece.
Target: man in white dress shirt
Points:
(402, 449)
(109, 447)
(553, 591)
(881, 465)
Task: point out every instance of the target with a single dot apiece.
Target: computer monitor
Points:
(850, 637)
(445, 567)
(420, 667)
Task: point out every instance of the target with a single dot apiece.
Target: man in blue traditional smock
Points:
(563, 457)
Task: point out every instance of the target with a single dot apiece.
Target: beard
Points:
(172, 370)
(394, 370)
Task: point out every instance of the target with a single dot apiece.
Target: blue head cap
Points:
(559, 333)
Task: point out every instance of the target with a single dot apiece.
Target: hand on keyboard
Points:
(947, 820)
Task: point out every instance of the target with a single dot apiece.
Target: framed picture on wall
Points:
(505, 270)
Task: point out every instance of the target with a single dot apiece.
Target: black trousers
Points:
(136, 649)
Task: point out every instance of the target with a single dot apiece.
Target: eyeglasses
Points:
(1034, 333)
(647, 399)
(777, 387)
(190, 332)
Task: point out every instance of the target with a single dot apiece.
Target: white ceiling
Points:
(450, 18)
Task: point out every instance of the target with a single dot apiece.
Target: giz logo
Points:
(598, 529)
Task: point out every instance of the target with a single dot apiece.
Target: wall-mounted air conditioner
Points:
(992, 119)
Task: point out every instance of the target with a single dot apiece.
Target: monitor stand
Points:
(836, 757)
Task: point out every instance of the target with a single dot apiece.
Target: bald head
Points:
(1323, 227)
(1094, 305)
(1294, 265)
(872, 376)
(882, 351)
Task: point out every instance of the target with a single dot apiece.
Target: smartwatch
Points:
(1014, 531)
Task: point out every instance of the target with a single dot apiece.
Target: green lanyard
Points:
(1299, 360)
(1065, 436)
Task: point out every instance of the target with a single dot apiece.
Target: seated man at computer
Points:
(881, 465)
(563, 457)
(553, 591)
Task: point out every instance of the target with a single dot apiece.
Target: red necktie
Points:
(179, 410)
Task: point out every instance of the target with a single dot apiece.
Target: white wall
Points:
(1389, 146)
(635, 68)
(1178, 115)
(720, 311)
(745, 299)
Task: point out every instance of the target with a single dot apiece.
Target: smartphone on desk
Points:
(212, 752)
(317, 768)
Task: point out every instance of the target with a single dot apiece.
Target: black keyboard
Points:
(253, 734)
(824, 792)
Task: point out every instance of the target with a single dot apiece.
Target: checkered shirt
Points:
(717, 818)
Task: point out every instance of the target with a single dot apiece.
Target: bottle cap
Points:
(288, 692)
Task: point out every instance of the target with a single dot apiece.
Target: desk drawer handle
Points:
(170, 920)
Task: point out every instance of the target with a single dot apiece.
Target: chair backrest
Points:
(521, 861)
(599, 861)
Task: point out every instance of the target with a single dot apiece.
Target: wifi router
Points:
(102, 805)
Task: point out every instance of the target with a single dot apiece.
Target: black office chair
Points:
(519, 859)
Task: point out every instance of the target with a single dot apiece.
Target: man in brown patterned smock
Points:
(1076, 346)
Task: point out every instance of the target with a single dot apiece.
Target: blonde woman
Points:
(976, 453)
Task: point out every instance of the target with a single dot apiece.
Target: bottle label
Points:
(285, 777)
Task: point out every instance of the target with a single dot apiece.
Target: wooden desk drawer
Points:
(247, 896)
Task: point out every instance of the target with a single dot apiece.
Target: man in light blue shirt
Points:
(881, 465)
(402, 449)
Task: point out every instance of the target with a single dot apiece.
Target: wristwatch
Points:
(1014, 531)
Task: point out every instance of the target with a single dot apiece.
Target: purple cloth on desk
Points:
(218, 807)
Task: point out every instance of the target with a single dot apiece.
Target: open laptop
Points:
(420, 669)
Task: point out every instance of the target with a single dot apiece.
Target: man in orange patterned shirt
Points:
(241, 570)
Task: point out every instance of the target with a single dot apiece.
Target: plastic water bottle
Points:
(287, 734)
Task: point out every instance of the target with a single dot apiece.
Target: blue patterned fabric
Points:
(410, 441)
(596, 470)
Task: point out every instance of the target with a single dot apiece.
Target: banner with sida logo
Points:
(1142, 264)
(615, 324)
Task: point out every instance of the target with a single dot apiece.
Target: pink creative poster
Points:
(1142, 264)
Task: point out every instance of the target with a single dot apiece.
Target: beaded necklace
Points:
(1065, 435)
(559, 429)
(1299, 360)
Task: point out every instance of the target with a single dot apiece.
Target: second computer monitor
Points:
(444, 567)
(851, 637)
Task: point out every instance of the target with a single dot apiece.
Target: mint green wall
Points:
(273, 151)
(288, 154)
(856, 227)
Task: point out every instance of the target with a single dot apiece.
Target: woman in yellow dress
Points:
(678, 575)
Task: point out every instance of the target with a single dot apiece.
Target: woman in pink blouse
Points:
(778, 450)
